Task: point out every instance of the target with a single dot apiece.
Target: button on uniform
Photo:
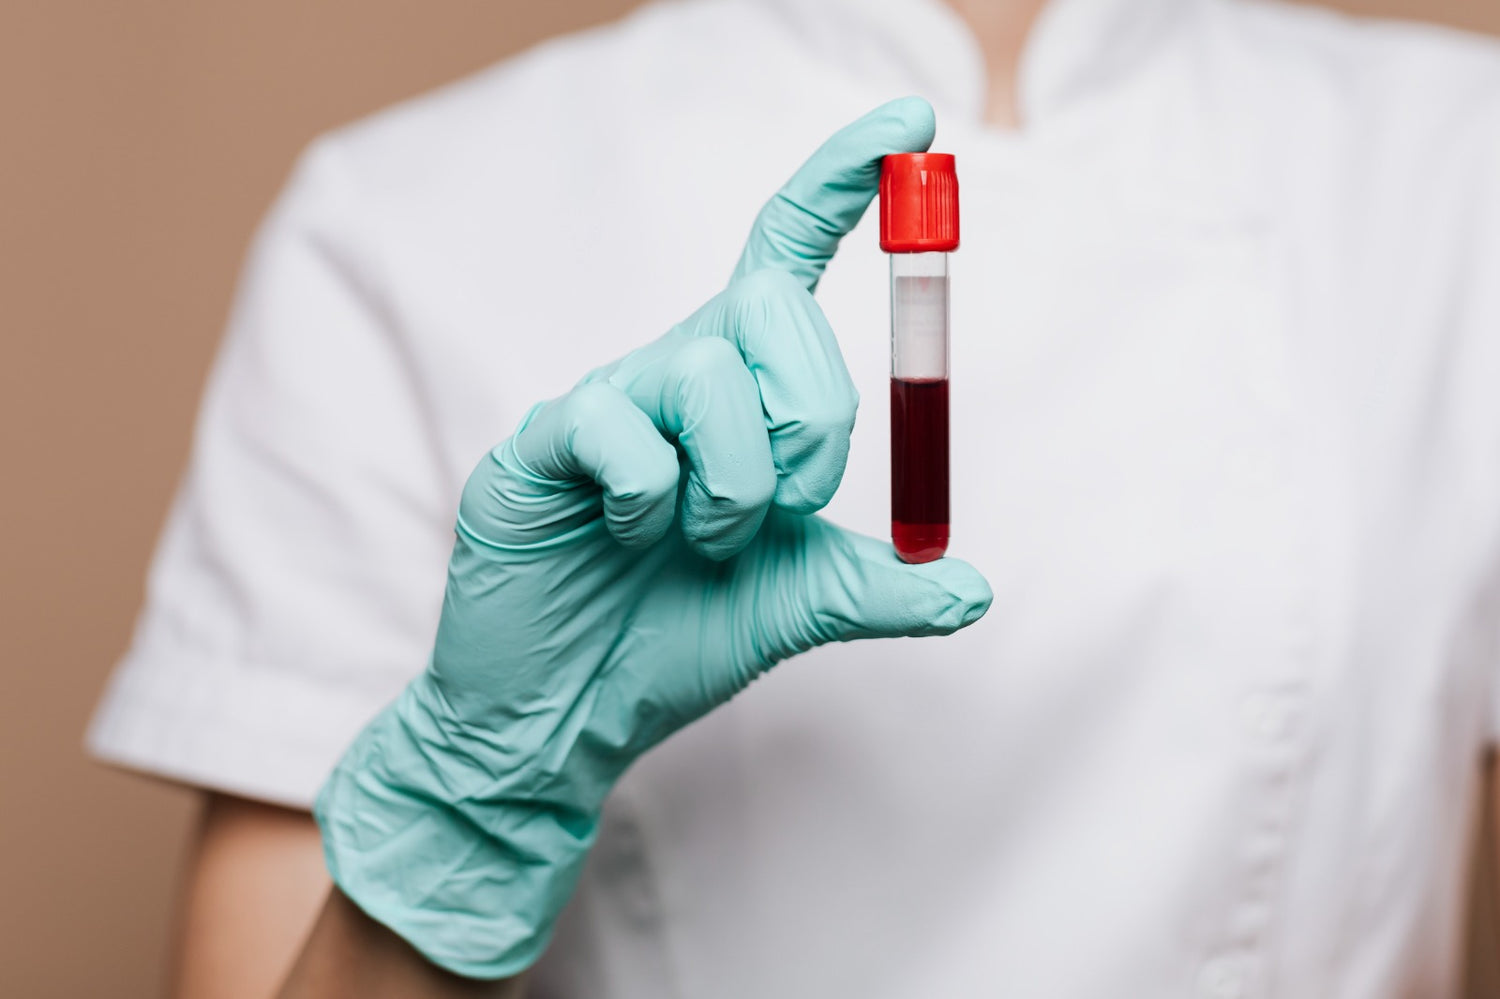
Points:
(1225, 977)
(1267, 716)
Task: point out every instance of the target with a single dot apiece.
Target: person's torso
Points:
(1222, 444)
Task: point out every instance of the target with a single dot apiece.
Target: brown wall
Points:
(139, 142)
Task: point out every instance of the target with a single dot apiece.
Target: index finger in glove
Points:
(791, 389)
(799, 229)
(809, 400)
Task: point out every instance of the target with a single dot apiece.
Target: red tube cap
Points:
(918, 203)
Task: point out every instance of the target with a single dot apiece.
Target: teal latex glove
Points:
(633, 556)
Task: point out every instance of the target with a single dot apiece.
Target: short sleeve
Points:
(297, 583)
(1481, 310)
(1479, 305)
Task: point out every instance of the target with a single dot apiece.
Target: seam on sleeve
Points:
(257, 731)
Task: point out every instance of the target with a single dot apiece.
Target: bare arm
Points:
(253, 887)
(1484, 891)
(350, 956)
(256, 896)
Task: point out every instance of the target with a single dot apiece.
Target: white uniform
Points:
(1226, 443)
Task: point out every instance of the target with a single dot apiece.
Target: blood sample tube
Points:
(918, 228)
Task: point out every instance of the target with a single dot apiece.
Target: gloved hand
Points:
(633, 556)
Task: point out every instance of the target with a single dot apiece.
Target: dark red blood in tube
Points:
(919, 468)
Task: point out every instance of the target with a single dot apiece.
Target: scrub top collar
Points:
(1078, 49)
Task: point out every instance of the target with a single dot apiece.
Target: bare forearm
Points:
(252, 890)
(351, 956)
(257, 902)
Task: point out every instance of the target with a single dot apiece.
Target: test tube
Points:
(918, 228)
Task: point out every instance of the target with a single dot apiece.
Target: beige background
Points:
(139, 142)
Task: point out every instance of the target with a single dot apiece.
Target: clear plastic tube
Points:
(919, 405)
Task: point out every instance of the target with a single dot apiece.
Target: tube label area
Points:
(919, 327)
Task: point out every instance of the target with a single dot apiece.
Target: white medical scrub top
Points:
(1226, 443)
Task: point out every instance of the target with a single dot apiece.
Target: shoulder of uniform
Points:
(1390, 66)
(579, 91)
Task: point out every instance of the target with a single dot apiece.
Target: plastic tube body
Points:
(919, 405)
